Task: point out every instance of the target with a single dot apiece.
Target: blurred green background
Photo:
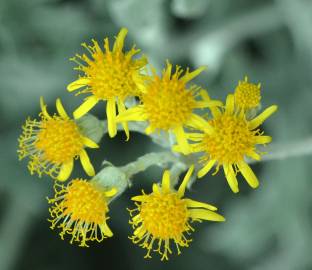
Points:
(270, 41)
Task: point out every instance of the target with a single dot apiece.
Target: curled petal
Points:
(186, 179)
(65, 171)
(86, 164)
(231, 177)
(248, 174)
(60, 109)
(44, 108)
(205, 215)
(202, 172)
(86, 106)
(257, 121)
(78, 84)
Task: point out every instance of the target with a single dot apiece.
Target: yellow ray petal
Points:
(43, 107)
(214, 110)
(205, 215)
(139, 198)
(81, 82)
(253, 155)
(122, 109)
(191, 75)
(196, 148)
(133, 114)
(136, 218)
(231, 177)
(86, 106)
(186, 179)
(206, 104)
(167, 70)
(195, 204)
(195, 136)
(139, 81)
(155, 188)
(248, 174)
(111, 117)
(257, 121)
(204, 94)
(106, 46)
(176, 148)
(263, 139)
(165, 183)
(149, 130)
(181, 139)
(107, 231)
(110, 193)
(65, 171)
(86, 164)
(120, 39)
(200, 123)
(139, 232)
(89, 143)
(229, 106)
(129, 54)
(60, 109)
(203, 171)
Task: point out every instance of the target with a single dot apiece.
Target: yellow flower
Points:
(247, 95)
(80, 210)
(53, 143)
(168, 104)
(227, 139)
(111, 75)
(164, 216)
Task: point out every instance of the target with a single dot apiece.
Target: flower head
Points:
(53, 143)
(164, 216)
(227, 139)
(247, 95)
(80, 210)
(168, 104)
(110, 75)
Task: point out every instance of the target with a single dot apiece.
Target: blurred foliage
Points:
(270, 41)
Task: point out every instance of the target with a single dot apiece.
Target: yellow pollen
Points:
(167, 102)
(247, 95)
(59, 139)
(83, 201)
(110, 74)
(230, 141)
(164, 215)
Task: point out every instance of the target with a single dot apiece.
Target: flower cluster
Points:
(209, 132)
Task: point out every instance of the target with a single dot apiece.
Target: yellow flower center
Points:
(230, 141)
(247, 95)
(164, 215)
(59, 139)
(168, 103)
(111, 75)
(84, 201)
